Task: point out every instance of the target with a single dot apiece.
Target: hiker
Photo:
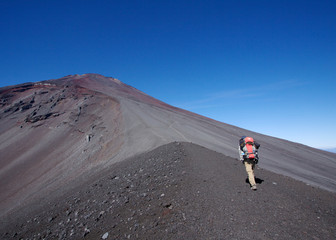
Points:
(248, 154)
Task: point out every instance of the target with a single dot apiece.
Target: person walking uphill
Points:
(248, 154)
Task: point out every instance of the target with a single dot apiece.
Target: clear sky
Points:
(267, 66)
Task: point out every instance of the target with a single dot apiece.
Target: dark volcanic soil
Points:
(180, 191)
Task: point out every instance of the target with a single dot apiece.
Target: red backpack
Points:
(249, 149)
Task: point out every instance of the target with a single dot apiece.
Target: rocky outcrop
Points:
(44, 129)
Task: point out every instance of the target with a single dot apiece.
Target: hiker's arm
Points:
(241, 157)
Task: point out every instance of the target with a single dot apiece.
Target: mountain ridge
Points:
(80, 124)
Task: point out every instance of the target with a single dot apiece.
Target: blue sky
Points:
(267, 66)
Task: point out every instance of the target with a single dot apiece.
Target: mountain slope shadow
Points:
(181, 191)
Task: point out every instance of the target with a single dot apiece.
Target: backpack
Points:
(249, 149)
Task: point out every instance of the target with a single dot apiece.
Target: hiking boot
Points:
(254, 187)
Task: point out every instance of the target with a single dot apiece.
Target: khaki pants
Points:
(249, 169)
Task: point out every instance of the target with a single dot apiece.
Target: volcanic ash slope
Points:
(50, 136)
(181, 191)
(55, 133)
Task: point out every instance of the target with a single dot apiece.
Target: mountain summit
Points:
(55, 134)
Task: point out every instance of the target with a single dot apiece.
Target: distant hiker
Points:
(248, 154)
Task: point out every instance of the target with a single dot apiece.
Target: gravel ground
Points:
(180, 191)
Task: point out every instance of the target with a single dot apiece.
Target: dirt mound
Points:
(179, 191)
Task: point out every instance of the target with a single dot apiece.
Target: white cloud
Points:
(222, 98)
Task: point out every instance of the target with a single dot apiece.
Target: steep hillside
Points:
(50, 135)
(56, 133)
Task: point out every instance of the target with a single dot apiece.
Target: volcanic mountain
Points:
(73, 135)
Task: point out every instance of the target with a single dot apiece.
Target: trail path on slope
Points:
(282, 208)
(180, 191)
